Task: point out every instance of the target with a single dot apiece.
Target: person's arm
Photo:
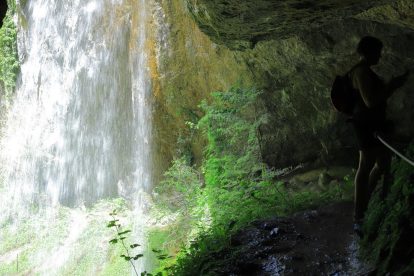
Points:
(365, 82)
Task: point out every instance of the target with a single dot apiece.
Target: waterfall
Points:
(79, 127)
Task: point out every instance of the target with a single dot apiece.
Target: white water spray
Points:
(79, 127)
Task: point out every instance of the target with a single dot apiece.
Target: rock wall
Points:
(292, 50)
(242, 24)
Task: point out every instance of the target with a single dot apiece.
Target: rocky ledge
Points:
(320, 242)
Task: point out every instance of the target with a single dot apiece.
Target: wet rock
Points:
(249, 267)
(316, 243)
(274, 231)
(296, 184)
(269, 224)
(312, 187)
(309, 215)
(248, 236)
(324, 180)
(333, 184)
(274, 267)
(126, 189)
(293, 256)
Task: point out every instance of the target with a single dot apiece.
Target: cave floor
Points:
(320, 242)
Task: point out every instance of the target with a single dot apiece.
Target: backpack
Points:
(342, 94)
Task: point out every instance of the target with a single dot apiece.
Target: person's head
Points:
(369, 48)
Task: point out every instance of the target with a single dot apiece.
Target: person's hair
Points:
(368, 45)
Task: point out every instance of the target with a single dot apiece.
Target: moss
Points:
(116, 265)
(160, 238)
(187, 68)
(79, 240)
(389, 230)
(242, 24)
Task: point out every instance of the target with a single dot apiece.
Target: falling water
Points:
(79, 127)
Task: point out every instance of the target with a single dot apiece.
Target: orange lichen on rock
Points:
(153, 66)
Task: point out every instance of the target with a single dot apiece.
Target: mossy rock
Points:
(389, 231)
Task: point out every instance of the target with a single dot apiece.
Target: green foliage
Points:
(63, 241)
(121, 236)
(201, 207)
(182, 185)
(180, 205)
(230, 124)
(164, 60)
(9, 61)
(179, 100)
(233, 169)
(31, 236)
(389, 229)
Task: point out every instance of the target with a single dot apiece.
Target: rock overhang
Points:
(240, 25)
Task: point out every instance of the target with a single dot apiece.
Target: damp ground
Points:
(318, 242)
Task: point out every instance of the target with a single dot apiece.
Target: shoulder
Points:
(363, 71)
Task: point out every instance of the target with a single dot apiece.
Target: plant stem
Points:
(123, 244)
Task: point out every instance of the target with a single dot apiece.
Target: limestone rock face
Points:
(241, 24)
(292, 50)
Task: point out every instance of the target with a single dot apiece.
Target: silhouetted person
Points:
(3, 10)
(369, 116)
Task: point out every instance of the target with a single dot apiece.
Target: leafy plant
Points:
(121, 236)
(9, 62)
(236, 177)
(202, 207)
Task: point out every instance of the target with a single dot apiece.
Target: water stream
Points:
(79, 127)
